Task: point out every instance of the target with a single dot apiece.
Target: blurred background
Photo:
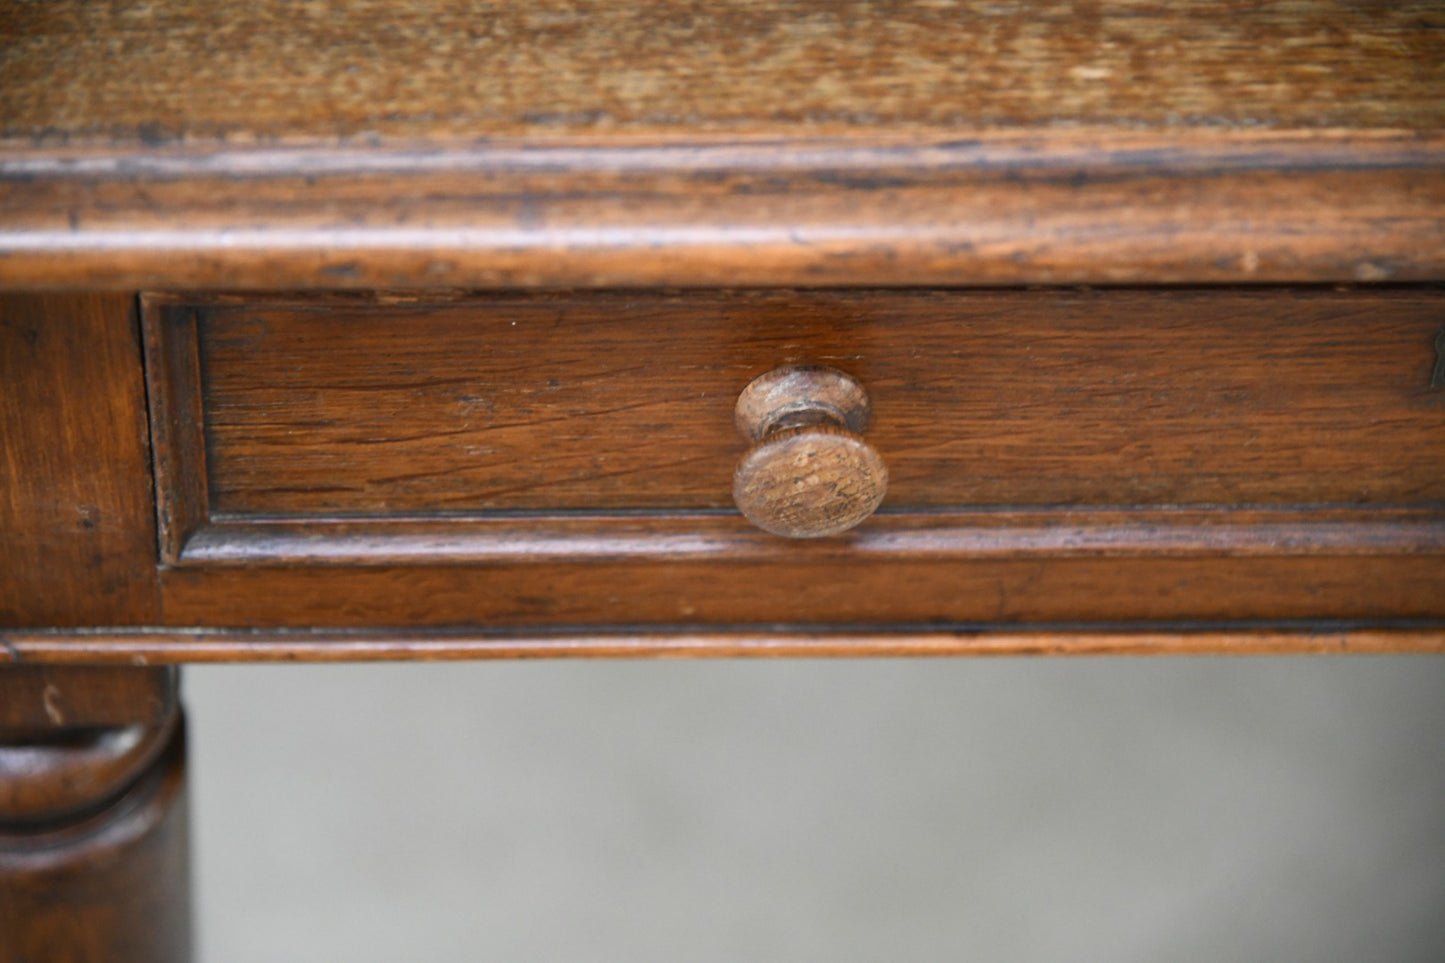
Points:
(1015, 810)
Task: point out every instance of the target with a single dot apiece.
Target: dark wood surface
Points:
(957, 577)
(428, 475)
(1050, 207)
(596, 402)
(77, 519)
(94, 846)
(1061, 462)
(795, 588)
(94, 850)
(40, 697)
(180, 144)
(50, 777)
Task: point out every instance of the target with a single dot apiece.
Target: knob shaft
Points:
(809, 472)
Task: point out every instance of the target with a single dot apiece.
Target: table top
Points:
(194, 72)
(182, 144)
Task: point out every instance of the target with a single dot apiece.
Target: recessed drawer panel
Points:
(624, 402)
(566, 459)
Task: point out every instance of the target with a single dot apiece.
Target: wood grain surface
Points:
(184, 144)
(110, 881)
(534, 462)
(1050, 207)
(402, 469)
(77, 520)
(42, 698)
(810, 482)
(267, 71)
(597, 402)
(1037, 534)
(817, 593)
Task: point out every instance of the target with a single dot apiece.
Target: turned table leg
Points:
(94, 848)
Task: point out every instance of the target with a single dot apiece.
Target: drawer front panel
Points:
(778, 591)
(600, 403)
(563, 462)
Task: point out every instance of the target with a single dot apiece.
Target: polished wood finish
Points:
(77, 523)
(858, 143)
(1047, 207)
(41, 697)
(48, 777)
(572, 232)
(814, 594)
(843, 191)
(178, 438)
(977, 533)
(1006, 571)
(809, 474)
(797, 394)
(429, 645)
(598, 402)
(94, 844)
(1057, 457)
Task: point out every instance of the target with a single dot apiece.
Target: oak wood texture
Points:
(112, 73)
(1190, 460)
(809, 482)
(77, 523)
(977, 533)
(1055, 207)
(428, 476)
(109, 881)
(1025, 576)
(796, 589)
(809, 473)
(539, 462)
(182, 144)
(623, 402)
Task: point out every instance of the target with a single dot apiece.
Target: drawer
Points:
(624, 402)
(464, 434)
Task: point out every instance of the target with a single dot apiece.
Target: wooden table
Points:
(427, 331)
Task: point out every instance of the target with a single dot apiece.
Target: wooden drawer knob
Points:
(808, 473)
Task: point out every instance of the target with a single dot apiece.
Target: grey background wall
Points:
(1091, 809)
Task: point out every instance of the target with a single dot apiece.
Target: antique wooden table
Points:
(447, 330)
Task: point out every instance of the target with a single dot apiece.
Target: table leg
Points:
(94, 846)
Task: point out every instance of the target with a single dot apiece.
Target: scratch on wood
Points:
(50, 698)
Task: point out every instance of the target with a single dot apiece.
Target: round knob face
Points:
(810, 482)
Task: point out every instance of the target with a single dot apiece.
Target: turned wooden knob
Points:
(808, 473)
